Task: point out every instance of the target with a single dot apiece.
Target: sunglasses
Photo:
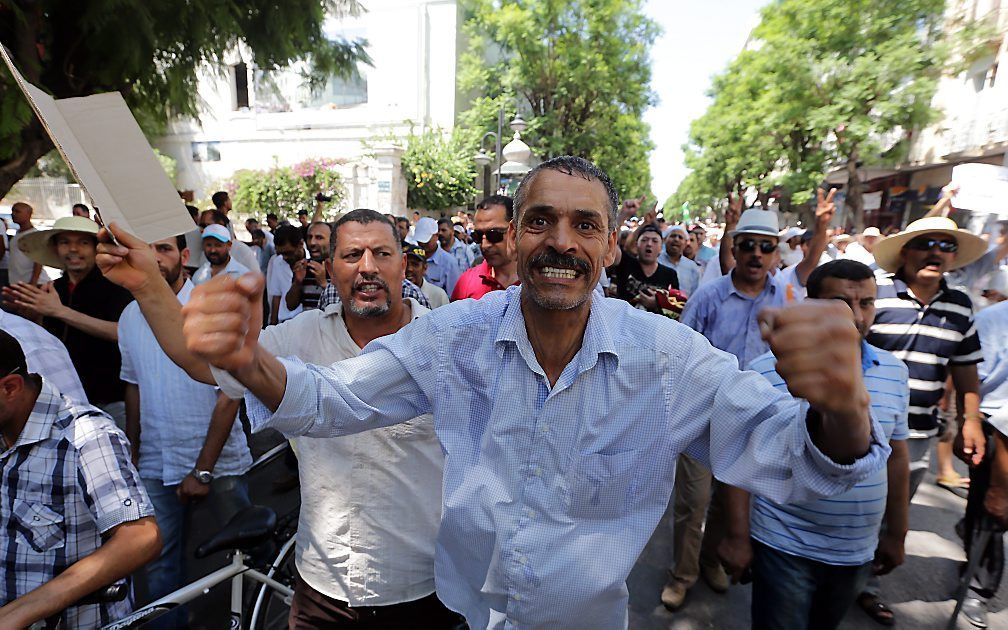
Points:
(927, 244)
(493, 235)
(749, 245)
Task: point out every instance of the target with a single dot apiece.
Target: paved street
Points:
(920, 592)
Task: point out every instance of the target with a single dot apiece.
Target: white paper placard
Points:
(983, 188)
(109, 156)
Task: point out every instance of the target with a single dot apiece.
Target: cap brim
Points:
(887, 251)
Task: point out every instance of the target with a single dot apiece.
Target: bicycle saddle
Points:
(246, 529)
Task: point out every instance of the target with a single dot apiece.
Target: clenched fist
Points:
(818, 351)
(222, 320)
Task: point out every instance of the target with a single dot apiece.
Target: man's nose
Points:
(367, 262)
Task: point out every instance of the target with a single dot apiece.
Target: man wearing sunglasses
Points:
(499, 270)
(929, 326)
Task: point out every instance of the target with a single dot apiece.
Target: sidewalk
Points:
(919, 592)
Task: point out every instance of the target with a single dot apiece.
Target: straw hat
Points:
(37, 245)
(971, 246)
(762, 222)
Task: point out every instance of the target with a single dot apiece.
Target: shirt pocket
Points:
(601, 485)
(41, 527)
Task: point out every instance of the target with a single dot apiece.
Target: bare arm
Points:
(131, 265)
(221, 421)
(36, 274)
(967, 388)
(130, 546)
(100, 328)
(735, 550)
(44, 301)
(133, 421)
(732, 214)
(293, 297)
(274, 315)
(825, 208)
(890, 552)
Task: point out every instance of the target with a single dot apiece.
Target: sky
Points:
(700, 38)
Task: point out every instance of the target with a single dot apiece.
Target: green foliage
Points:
(579, 68)
(169, 165)
(439, 170)
(824, 81)
(286, 189)
(151, 52)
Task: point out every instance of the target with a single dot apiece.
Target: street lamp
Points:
(505, 164)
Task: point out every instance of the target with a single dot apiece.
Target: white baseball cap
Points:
(425, 229)
(218, 232)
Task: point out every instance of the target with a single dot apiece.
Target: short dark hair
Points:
(193, 211)
(325, 223)
(272, 215)
(219, 198)
(364, 216)
(448, 222)
(570, 165)
(257, 233)
(219, 217)
(180, 242)
(844, 269)
(81, 205)
(287, 235)
(12, 357)
(398, 219)
(498, 200)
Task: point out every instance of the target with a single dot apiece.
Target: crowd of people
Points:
(492, 411)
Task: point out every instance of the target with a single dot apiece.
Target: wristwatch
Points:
(202, 476)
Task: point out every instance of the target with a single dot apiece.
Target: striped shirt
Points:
(409, 290)
(551, 492)
(841, 530)
(46, 355)
(65, 482)
(927, 337)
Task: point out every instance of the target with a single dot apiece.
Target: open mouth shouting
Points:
(933, 264)
(369, 288)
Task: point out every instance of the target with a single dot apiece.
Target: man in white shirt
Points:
(371, 503)
(20, 268)
(182, 455)
(290, 250)
(861, 249)
(416, 267)
(217, 255)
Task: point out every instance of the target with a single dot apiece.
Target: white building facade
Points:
(254, 121)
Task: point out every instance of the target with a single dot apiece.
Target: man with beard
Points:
(638, 276)
(168, 418)
(279, 272)
(81, 308)
(370, 502)
(454, 245)
(416, 267)
(217, 255)
(929, 326)
(402, 226)
(498, 269)
(561, 415)
(311, 276)
(675, 258)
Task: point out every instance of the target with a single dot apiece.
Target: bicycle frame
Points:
(236, 572)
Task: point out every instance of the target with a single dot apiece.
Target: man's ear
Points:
(610, 256)
(184, 256)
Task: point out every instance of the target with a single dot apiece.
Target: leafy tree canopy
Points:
(579, 68)
(151, 52)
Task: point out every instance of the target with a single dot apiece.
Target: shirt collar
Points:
(597, 338)
(42, 416)
(727, 287)
(869, 358)
(903, 289)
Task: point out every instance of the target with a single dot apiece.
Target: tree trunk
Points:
(34, 144)
(854, 202)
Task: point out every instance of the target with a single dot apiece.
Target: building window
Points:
(339, 92)
(241, 86)
(205, 152)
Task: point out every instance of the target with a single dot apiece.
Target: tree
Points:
(580, 68)
(151, 52)
(825, 83)
(439, 170)
(287, 189)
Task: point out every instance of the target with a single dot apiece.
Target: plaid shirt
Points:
(409, 290)
(65, 482)
(45, 354)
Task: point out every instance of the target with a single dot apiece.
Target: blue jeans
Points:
(792, 593)
(228, 495)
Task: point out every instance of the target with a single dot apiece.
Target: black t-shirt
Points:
(630, 278)
(311, 290)
(97, 361)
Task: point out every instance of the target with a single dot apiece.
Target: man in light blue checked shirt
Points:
(46, 355)
(561, 414)
(74, 514)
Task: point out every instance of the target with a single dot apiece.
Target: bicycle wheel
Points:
(271, 609)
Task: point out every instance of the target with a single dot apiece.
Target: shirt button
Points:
(537, 471)
(530, 513)
(516, 597)
(545, 428)
(522, 560)
(128, 502)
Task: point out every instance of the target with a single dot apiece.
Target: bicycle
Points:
(245, 535)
